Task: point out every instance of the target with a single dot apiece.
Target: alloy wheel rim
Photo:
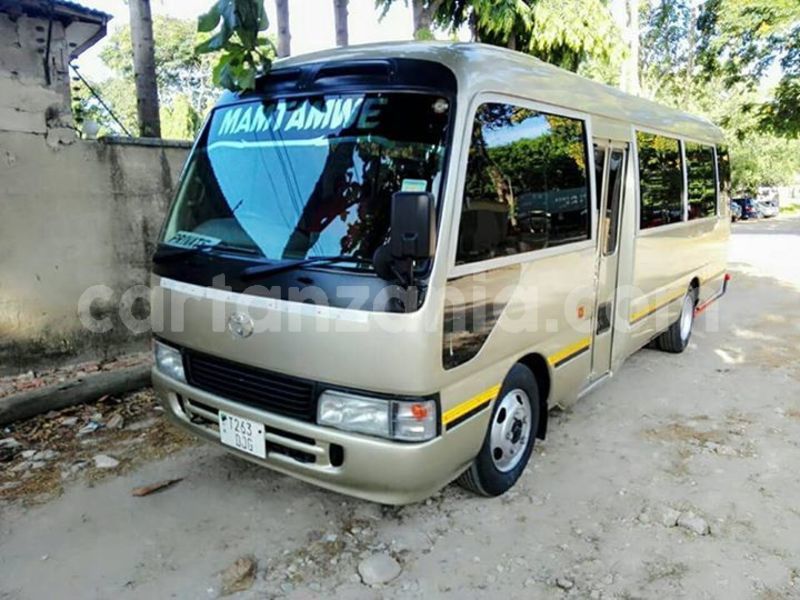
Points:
(511, 428)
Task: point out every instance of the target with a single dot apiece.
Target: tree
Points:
(423, 13)
(144, 68)
(629, 74)
(667, 50)
(561, 32)
(179, 71)
(185, 88)
(741, 39)
(180, 119)
(763, 160)
(340, 21)
(284, 35)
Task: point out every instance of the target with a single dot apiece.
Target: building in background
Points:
(38, 40)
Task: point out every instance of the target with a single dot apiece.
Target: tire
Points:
(676, 338)
(502, 458)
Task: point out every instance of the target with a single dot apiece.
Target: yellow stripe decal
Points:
(565, 353)
(651, 308)
(483, 398)
(488, 395)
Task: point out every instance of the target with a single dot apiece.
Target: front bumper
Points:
(370, 468)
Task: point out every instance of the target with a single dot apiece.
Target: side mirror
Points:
(413, 233)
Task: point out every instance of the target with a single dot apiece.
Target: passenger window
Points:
(702, 182)
(660, 180)
(526, 186)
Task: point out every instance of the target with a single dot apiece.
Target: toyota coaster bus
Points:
(386, 262)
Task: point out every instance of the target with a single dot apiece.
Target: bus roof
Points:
(481, 67)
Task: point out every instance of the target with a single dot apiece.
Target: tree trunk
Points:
(687, 90)
(423, 12)
(629, 77)
(144, 68)
(284, 37)
(340, 21)
(473, 26)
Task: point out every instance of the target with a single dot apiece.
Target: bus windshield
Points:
(290, 179)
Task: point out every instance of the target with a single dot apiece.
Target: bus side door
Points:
(610, 164)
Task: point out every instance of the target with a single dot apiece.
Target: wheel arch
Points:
(541, 371)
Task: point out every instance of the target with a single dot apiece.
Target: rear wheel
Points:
(676, 338)
(510, 437)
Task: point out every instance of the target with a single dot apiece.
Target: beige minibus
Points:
(385, 263)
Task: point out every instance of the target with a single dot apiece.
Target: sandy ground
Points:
(715, 431)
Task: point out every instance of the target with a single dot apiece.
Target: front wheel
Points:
(676, 338)
(510, 437)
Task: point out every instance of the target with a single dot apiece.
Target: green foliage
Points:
(562, 32)
(763, 160)
(235, 26)
(742, 39)
(568, 32)
(179, 70)
(119, 94)
(180, 121)
(667, 48)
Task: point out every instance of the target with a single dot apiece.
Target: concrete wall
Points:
(71, 217)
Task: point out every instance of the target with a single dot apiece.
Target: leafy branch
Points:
(235, 25)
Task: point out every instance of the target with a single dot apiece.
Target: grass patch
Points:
(791, 209)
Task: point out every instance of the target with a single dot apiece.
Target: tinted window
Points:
(526, 185)
(702, 181)
(660, 180)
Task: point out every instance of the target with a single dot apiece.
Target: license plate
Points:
(243, 434)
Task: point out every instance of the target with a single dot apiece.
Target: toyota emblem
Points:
(240, 325)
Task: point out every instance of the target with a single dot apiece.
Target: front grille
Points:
(279, 394)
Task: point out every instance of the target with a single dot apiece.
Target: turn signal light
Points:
(419, 412)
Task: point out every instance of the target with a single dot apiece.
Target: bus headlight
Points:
(169, 361)
(405, 420)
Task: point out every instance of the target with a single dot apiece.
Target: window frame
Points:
(454, 270)
(682, 139)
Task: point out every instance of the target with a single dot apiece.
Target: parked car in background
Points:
(736, 211)
(749, 208)
(769, 207)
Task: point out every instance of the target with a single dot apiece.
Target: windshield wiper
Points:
(168, 254)
(258, 271)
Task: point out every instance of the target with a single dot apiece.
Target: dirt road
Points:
(714, 432)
